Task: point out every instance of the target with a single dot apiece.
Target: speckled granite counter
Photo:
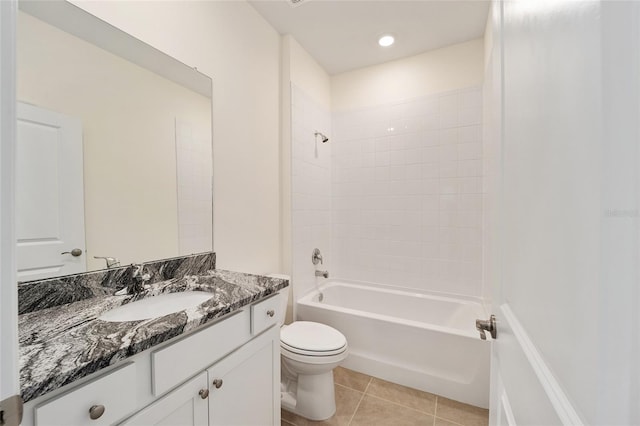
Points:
(64, 343)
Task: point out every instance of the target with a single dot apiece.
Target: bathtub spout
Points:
(323, 274)
(487, 325)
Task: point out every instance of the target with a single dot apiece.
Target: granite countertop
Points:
(64, 343)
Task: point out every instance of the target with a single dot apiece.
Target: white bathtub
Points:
(425, 341)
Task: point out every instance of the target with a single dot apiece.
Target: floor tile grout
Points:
(447, 420)
(435, 410)
(368, 384)
(360, 402)
(403, 406)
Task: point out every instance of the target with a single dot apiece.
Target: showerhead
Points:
(322, 137)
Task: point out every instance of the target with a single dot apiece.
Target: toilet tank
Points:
(284, 297)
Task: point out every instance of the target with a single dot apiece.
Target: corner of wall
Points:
(302, 78)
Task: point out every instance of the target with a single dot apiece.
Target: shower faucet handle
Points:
(316, 256)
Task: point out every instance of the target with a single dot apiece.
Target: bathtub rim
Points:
(307, 300)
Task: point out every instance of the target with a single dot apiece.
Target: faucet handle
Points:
(137, 269)
(316, 257)
(139, 273)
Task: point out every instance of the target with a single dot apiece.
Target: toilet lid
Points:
(312, 337)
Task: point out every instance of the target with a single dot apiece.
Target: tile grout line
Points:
(435, 411)
(449, 421)
(402, 406)
(360, 402)
(286, 422)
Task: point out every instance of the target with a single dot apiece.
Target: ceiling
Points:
(342, 35)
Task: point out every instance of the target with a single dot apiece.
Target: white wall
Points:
(491, 150)
(311, 190)
(194, 169)
(128, 116)
(407, 171)
(307, 85)
(232, 43)
(450, 68)
(307, 74)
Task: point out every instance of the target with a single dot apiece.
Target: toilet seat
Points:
(312, 339)
(312, 353)
(318, 360)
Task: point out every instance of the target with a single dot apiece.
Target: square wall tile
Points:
(402, 189)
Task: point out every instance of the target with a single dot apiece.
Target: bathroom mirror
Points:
(114, 155)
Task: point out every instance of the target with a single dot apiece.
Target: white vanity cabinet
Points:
(237, 390)
(184, 406)
(227, 373)
(241, 385)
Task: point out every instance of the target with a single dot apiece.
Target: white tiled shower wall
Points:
(406, 193)
(311, 188)
(194, 171)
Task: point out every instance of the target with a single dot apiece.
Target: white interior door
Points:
(566, 287)
(9, 381)
(49, 194)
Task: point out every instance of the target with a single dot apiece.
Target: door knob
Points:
(217, 383)
(204, 393)
(271, 312)
(75, 252)
(487, 325)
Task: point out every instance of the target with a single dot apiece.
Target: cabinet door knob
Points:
(217, 383)
(204, 393)
(271, 312)
(75, 252)
(96, 411)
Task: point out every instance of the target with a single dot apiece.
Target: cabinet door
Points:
(185, 406)
(249, 384)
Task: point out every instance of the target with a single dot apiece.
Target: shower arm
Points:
(324, 138)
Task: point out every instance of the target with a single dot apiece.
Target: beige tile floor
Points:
(363, 400)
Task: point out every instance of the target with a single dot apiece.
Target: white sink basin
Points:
(156, 306)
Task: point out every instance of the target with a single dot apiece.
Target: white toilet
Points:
(309, 351)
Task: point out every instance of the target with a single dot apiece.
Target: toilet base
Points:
(310, 396)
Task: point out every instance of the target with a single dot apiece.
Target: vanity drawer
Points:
(265, 313)
(114, 394)
(177, 362)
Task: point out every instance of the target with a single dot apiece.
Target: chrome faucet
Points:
(139, 278)
(112, 262)
(487, 326)
(323, 274)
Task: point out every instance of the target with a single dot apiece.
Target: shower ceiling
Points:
(342, 35)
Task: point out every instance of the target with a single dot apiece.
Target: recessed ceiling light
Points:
(386, 40)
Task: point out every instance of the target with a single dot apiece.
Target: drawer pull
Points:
(217, 383)
(204, 393)
(96, 411)
(271, 312)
